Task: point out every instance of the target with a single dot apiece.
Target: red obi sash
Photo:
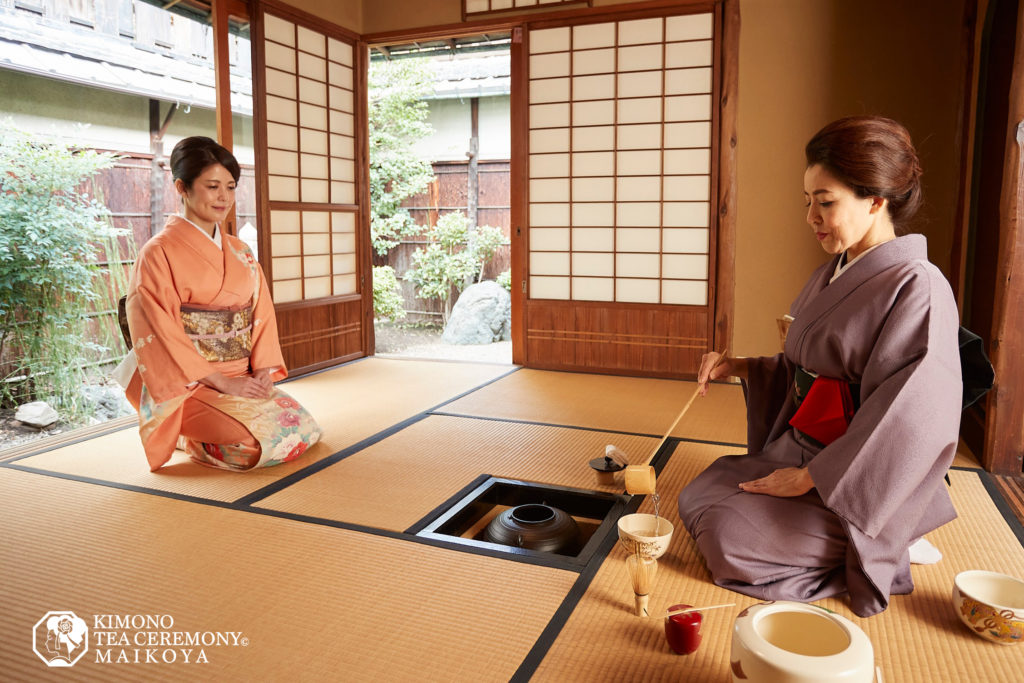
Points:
(826, 410)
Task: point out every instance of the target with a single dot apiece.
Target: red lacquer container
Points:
(683, 630)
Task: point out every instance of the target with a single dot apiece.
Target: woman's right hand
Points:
(246, 387)
(711, 368)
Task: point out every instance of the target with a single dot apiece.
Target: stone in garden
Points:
(107, 402)
(482, 315)
(36, 414)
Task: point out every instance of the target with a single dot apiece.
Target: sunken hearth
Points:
(513, 518)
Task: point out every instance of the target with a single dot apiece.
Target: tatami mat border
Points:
(538, 423)
(315, 467)
(550, 633)
(553, 563)
(1000, 502)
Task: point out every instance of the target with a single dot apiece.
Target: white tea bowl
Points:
(651, 533)
(991, 605)
(792, 642)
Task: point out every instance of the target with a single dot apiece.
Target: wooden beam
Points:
(1004, 438)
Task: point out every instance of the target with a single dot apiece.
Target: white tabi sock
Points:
(923, 552)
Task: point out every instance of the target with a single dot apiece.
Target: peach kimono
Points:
(181, 276)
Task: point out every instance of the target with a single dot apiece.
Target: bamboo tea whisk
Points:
(641, 573)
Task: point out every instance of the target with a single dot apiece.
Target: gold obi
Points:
(219, 335)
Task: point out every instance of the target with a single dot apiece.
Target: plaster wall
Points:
(804, 63)
(450, 120)
(102, 119)
(345, 13)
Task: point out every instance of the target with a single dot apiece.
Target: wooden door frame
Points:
(727, 12)
(722, 239)
(332, 304)
(1004, 432)
(998, 433)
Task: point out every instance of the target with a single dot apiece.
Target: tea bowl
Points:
(991, 605)
(652, 534)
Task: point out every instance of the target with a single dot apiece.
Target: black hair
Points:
(191, 156)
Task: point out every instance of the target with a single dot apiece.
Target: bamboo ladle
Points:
(698, 609)
(641, 479)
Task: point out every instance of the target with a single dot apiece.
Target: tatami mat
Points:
(919, 638)
(351, 403)
(628, 404)
(398, 481)
(314, 602)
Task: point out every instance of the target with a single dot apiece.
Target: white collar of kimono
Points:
(843, 267)
(216, 231)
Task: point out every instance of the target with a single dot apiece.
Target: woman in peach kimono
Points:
(205, 348)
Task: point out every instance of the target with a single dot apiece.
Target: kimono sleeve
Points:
(266, 347)
(168, 362)
(884, 470)
(766, 388)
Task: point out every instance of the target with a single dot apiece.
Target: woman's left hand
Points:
(263, 377)
(785, 483)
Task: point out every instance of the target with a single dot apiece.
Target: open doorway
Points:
(439, 139)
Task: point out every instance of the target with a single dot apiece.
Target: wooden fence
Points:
(450, 192)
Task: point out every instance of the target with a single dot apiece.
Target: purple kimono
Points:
(888, 323)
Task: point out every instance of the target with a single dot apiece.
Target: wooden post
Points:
(473, 196)
(156, 167)
(965, 144)
(156, 175)
(725, 270)
(473, 173)
(1004, 434)
(517, 192)
(222, 81)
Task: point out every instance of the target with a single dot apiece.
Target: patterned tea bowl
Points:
(652, 534)
(991, 605)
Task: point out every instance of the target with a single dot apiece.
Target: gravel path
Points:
(397, 341)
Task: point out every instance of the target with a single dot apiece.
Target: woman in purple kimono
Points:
(871, 378)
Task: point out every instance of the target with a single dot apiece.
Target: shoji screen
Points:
(620, 184)
(312, 193)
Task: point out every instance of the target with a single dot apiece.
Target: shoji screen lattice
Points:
(620, 161)
(311, 145)
(620, 129)
(311, 162)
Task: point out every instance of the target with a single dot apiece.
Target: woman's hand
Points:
(729, 367)
(263, 377)
(246, 387)
(785, 483)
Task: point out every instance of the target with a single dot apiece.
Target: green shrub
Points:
(50, 233)
(505, 280)
(397, 121)
(387, 294)
(453, 259)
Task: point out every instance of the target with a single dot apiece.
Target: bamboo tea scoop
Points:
(698, 609)
(641, 479)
